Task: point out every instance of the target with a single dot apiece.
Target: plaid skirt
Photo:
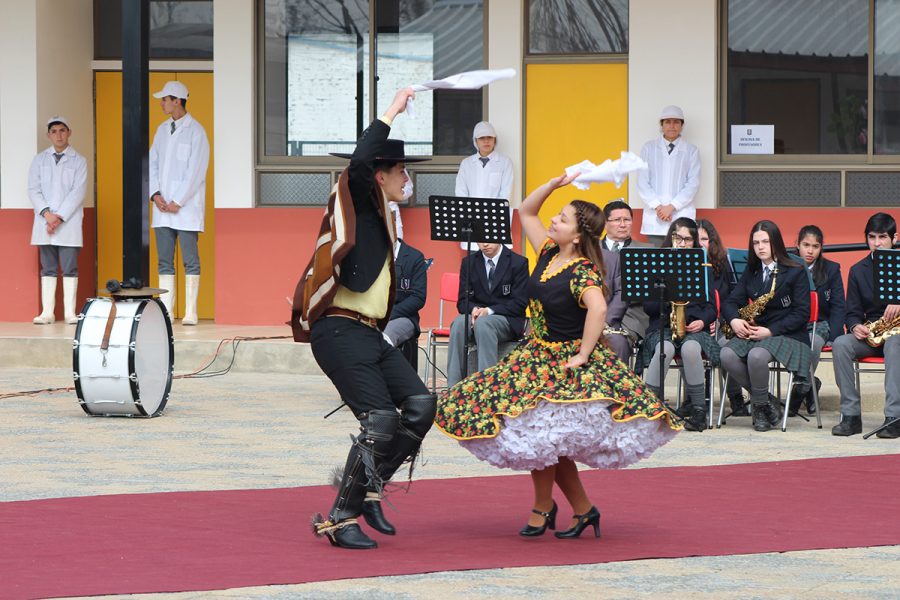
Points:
(708, 345)
(792, 354)
(823, 330)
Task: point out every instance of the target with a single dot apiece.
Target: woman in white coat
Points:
(56, 185)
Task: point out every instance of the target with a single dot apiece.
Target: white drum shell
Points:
(133, 376)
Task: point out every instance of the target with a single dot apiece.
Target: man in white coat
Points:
(179, 157)
(56, 185)
(485, 174)
(668, 187)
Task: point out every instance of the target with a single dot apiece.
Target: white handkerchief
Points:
(609, 171)
(470, 80)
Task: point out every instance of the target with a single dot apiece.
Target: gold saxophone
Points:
(880, 330)
(676, 315)
(754, 309)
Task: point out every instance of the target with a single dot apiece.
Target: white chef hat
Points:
(671, 112)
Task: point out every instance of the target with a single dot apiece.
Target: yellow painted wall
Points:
(108, 123)
(574, 112)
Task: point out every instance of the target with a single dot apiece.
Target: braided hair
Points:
(591, 222)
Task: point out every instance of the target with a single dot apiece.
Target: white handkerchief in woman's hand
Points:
(609, 171)
(469, 80)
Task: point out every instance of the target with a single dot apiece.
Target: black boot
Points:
(891, 431)
(775, 411)
(810, 401)
(374, 516)
(760, 417)
(416, 417)
(378, 430)
(696, 419)
(849, 425)
(796, 398)
(738, 405)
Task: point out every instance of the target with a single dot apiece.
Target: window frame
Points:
(319, 164)
(568, 57)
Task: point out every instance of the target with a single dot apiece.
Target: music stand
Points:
(885, 271)
(463, 219)
(663, 274)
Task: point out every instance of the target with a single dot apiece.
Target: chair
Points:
(867, 360)
(440, 336)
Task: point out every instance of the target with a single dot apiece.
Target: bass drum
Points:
(132, 377)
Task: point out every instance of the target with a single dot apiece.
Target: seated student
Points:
(412, 289)
(624, 330)
(862, 311)
(697, 342)
(779, 290)
(826, 275)
(498, 294)
(723, 280)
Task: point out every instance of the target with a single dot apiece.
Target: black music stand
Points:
(462, 219)
(663, 274)
(885, 273)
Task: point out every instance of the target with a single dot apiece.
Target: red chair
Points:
(440, 335)
(867, 360)
(813, 318)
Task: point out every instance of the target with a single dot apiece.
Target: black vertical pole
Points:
(135, 142)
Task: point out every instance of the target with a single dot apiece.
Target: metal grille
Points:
(873, 189)
(303, 189)
(795, 188)
(433, 184)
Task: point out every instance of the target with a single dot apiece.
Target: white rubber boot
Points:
(48, 302)
(70, 293)
(167, 282)
(191, 290)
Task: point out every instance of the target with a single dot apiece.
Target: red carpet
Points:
(215, 540)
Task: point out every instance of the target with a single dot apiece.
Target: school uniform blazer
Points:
(861, 305)
(508, 297)
(832, 306)
(412, 284)
(787, 313)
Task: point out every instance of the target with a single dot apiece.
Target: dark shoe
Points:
(774, 411)
(738, 406)
(849, 425)
(810, 401)
(796, 398)
(374, 516)
(683, 411)
(696, 421)
(760, 418)
(891, 431)
(549, 521)
(350, 536)
(591, 517)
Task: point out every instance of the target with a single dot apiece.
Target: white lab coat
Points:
(493, 180)
(59, 186)
(671, 179)
(178, 163)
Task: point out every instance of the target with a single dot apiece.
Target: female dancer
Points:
(778, 289)
(698, 316)
(723, 280)
(562, 396)
(826, 276)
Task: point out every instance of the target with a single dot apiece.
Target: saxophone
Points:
(754, 309)
(676, 315)
(880, 330)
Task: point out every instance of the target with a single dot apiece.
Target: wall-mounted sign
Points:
(753, 139)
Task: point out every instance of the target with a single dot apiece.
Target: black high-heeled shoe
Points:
(591, 517)
(549, 521)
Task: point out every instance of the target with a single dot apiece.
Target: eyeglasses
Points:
(677, 239)
(621, 221)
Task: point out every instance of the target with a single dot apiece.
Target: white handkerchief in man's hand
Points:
(610, 171)
(470, 80)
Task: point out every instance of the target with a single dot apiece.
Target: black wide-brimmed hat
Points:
(391, 150)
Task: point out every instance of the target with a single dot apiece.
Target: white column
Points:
(672, 60)
(234, 85)
(505, 99)
(18, 99)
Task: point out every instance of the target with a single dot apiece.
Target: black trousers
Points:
(368, 372)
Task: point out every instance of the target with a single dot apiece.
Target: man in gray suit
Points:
(627, 322)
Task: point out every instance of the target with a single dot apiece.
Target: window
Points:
(886, 125)
(802, 66)
(321, 86)
(578, 26)
(177, 29)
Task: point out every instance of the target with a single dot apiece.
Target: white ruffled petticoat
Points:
(582, 431)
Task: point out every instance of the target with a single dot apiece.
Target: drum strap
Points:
(104, 345)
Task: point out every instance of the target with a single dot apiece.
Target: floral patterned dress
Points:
(527, 411)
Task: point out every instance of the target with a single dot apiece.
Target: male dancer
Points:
(340, 305)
